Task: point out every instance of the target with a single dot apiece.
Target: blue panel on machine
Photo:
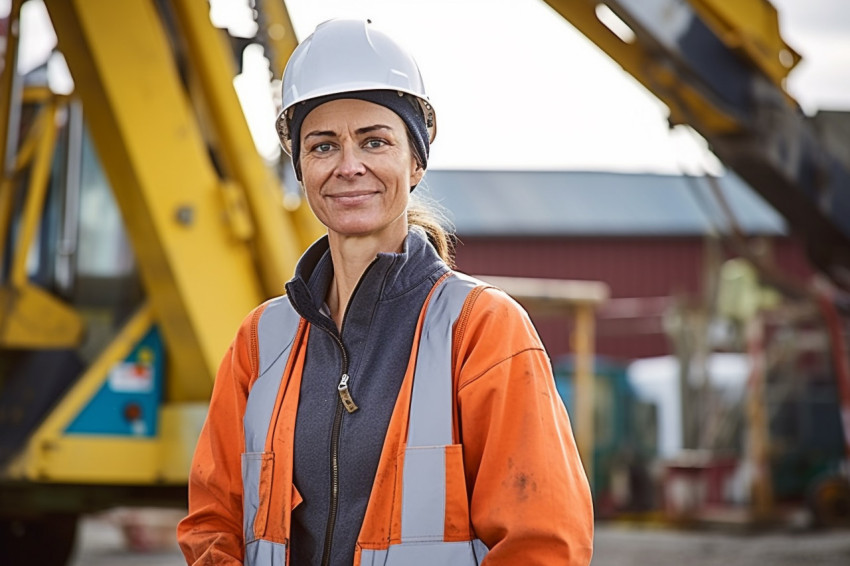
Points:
(128, 401)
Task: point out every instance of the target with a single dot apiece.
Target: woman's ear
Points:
(417, 174)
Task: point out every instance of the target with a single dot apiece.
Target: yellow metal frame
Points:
(686, 105)
(39, 146)
(751, 26)
(49, 452)
(585, 398)
(7, 80)
(201, 278)
(29, 316)
(211, 241)
(276, 236)
(53, 456)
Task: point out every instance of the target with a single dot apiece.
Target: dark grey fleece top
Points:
(377, 335)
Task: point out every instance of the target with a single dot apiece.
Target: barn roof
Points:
(580, 203)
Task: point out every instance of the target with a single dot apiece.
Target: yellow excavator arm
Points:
(720, 68)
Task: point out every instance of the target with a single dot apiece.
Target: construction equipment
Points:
(720, 68)
(138, 225)
(120, 291)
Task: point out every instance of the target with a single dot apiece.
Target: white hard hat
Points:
(348, 56)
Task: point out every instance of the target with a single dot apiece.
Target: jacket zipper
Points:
(344, 402)
(326, 555)
(340, 405)
(345, 394)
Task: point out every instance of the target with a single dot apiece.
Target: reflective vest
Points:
(426, 505)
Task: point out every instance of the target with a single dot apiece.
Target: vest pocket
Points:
(257, 473)
(434, 503)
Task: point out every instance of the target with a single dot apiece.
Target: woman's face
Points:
(357, 168)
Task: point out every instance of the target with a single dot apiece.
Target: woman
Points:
(387, 410)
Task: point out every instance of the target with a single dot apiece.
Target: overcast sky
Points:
(516, 87)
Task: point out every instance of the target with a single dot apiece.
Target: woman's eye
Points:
(375, 143)
(322, 147)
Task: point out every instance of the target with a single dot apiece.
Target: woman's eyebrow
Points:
(320, 133)
(367, 129)
(358, 131)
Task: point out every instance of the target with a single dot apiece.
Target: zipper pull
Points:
(344, 394)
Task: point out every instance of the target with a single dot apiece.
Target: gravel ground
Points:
(102, 543)
(620, 546)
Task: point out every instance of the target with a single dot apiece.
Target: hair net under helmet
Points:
(352, 59)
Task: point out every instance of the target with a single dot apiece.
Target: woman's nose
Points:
(351, 162)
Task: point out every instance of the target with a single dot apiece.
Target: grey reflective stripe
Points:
(468, 553)
(265, 553)
(431, 403)
(275, 333)
(423, 496)
(423, 502)
(252, 468)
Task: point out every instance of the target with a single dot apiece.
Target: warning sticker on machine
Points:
(129, 377)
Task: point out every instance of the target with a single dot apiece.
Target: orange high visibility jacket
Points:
(513, 479)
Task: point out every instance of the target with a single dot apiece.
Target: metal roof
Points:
(581, 203)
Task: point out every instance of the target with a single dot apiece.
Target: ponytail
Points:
(427, 215)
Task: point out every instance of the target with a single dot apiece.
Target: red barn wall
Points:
(646, 267)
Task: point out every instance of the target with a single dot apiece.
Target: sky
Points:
(517, 87)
